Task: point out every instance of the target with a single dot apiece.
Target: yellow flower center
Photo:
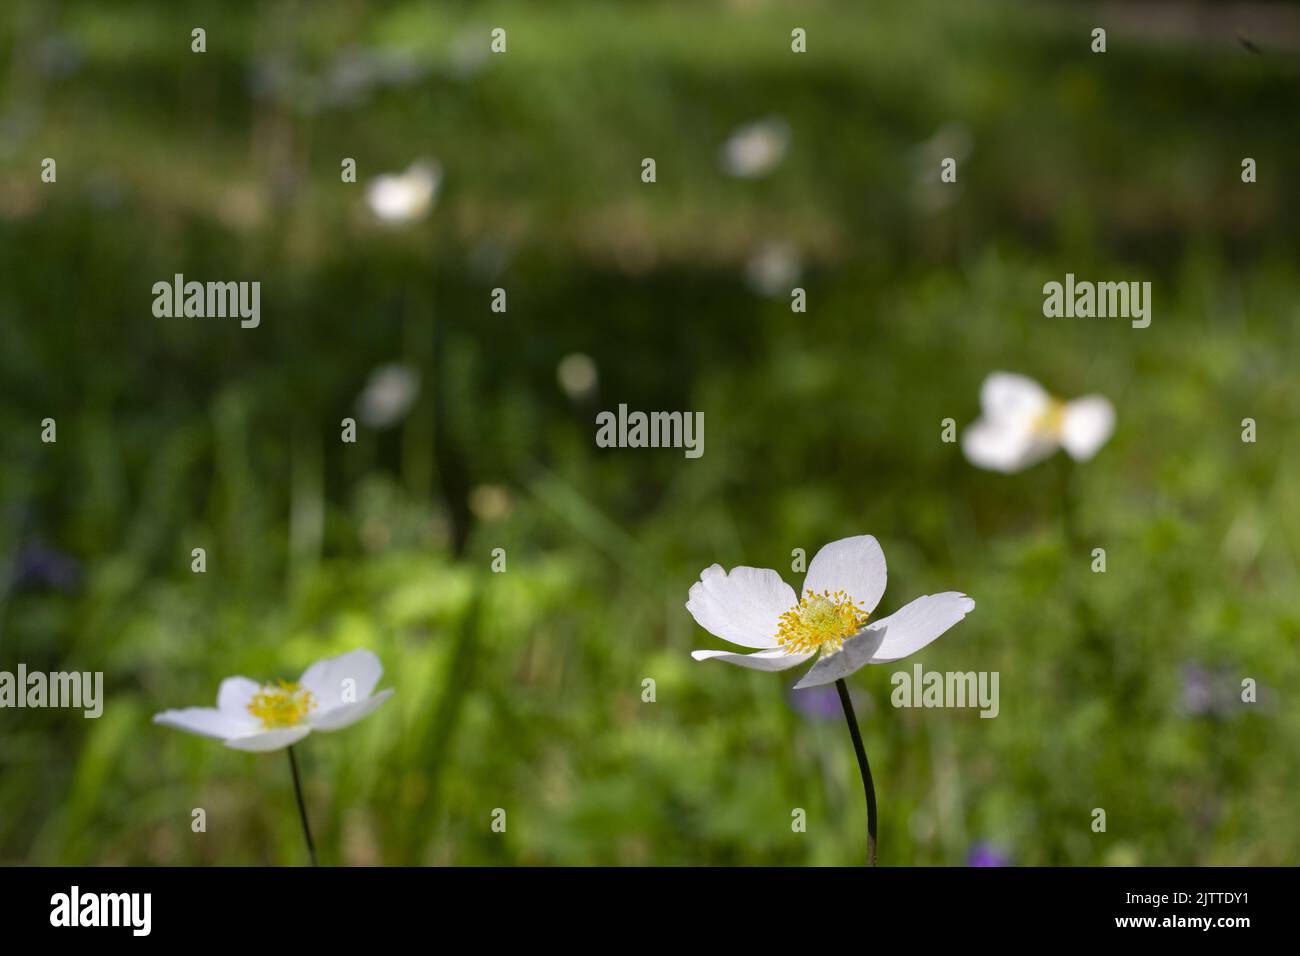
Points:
(282, 704)
(820, 621)
(1051, 420)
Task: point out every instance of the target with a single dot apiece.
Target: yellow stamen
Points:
(1051, 420)
(820, 621)
(283, 704)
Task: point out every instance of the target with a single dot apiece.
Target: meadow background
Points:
(522, 690)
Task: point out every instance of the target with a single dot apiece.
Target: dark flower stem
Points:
(863, 767)
(302, 807)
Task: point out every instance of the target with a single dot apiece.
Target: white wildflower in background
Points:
(1022, 423)
(577, 375)
(773, 269)
(389, 393)
(330, 695)
(399, 198)
(756, 148)
(753, 607)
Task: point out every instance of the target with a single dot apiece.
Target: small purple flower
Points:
(39, 567)
(1197, 695)
(1208, 692)
(988, 854)
(818, 703)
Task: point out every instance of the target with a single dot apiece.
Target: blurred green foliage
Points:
(522, 690)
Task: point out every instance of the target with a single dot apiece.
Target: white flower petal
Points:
(204, 721)
(756, 148)
(389, 393)
(345, 715)
(404, 197)
(1089, 422)
(902, 633)
(915, 625)
(1006, 445)
(855, 653)
(264, 740)
(234, 695)
(742, 607)
(774, 268)
(773, 660)
(1007, 396)
(325, 678)
(854, 565)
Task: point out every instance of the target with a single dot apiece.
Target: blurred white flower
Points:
(756, 148)
(330, 695)
(399, 198)
(389, 394)
(753, 607)
(577, 375)
(774, 269)
(1021, 424)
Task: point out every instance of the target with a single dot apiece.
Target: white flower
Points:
(398, 198)
(390, 392)
(755, 148)
(331, 694)
(773, 269)
(1022, 424)
(753, 607)
(577, 375)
